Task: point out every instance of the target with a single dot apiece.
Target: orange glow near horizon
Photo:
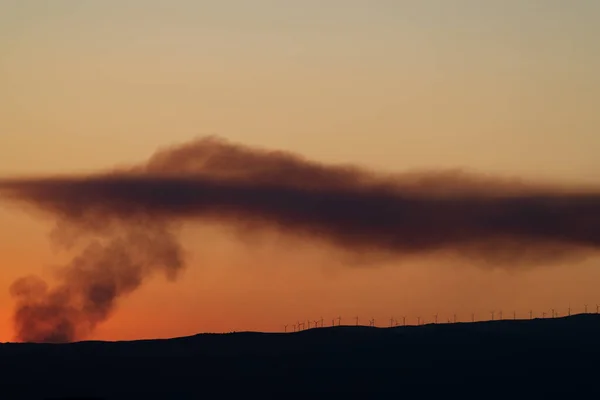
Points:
(264, 285)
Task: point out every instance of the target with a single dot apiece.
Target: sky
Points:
(508, 87)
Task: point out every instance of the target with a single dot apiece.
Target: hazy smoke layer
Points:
(488, 220)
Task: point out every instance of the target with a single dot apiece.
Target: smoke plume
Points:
(128, 219)
(91, 283)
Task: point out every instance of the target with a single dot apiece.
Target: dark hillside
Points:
(338, 359)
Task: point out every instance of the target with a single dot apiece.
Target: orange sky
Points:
(510, 89)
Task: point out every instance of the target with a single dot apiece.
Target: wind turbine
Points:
(500, 314)
(316, 324)
(285, 328)
(339, 321)
(436, 318)
(454, 318)
(492, 312)
(321, 322)
(357, 320)
(372, 322)
(418, 320)
(552, 309)
(514, 315)
(597, 308)
(569, 310)
(308, 324)
(391, 322)
(404, 321)
(585, 308)
(472, 317)
(544, 315)
(530, 314)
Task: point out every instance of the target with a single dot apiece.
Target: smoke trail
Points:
(132, 210)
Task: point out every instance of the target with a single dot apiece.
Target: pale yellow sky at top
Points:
(510, 87)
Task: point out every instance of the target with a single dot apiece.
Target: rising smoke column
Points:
(127, 219)
(88, 288)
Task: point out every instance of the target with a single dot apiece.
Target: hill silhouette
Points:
(340, 359)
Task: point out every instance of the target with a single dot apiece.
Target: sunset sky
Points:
(507, 87)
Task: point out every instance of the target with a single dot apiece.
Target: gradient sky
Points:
(501, 86)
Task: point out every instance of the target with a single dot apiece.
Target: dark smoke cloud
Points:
(133, 210)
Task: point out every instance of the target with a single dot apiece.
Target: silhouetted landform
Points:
(341, 359)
